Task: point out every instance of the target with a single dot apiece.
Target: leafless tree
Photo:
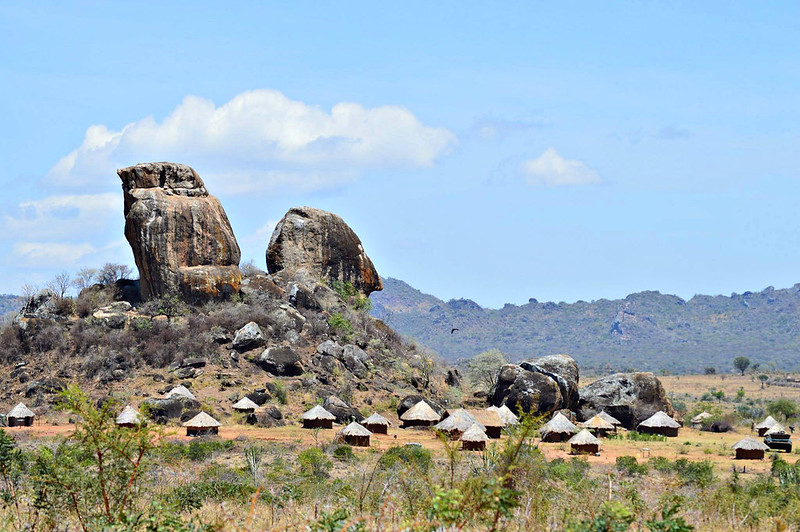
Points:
(111, 273)
(60, 284)
(85, 278)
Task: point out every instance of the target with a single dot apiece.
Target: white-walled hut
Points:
(765, 425)
(20, 416)
(318, 418)
(474, 439)
(202, 425)
(376, 424)
(749, 449)
(584, 442)
(356, 435)
(598, 426)
(559, 428)
(245, 405)
(659, 423)
(420, 415)
(506, 415)
(457, 423)
(129, 418)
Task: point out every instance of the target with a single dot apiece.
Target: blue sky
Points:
(497, 152)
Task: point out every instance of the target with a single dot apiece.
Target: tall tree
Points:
(741, 363)
(484, 368)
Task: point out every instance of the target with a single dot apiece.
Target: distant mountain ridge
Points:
(9, 303)
(645, 331)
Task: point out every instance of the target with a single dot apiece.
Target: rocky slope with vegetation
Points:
(646, 331)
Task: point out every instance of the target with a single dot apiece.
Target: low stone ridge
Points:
(629, 397)
(325, 246)
(180, 235)
(542, 385)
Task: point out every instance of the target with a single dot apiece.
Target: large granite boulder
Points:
(249, 337)
(180, 235)
(344, 413)
(281, 362)
(541, 386)
(176, 407)
(629, 397)
(325, 246)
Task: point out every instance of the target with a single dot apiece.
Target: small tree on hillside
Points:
(484, 368)
(763, 378)
(783, 407)
(741, 364)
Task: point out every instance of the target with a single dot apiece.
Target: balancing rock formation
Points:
(325, 246)
(180, 235)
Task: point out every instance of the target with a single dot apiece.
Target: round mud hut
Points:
(765, 425)
(749, 449)
(506, 415)
(584, 442)
(558, 429)
(659, 423)
(129, 418)
(611, 419)
(376, 424)
(202, 425)
(420, 415)
(318, 418)
(457, 423)
(245, 405)
(356, 435)
(20, 416)
(474, 439)
(491, 420)
(598, 426)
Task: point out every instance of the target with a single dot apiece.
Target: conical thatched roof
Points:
(459, 420)
(355, 429)
(318, 413)
(21, 411)
(777, 428)
(506, 415)
(202, 421)
(474, 434)
(584, 437)
(767, 423)
(611, 419)
(488, 418)
(245, 403)
(700, 417)
(421, 411)
(750, 444)
(660, 420)
(597, 423)
(129, 416)
(559, 425)
(180, 391)
(376, 419)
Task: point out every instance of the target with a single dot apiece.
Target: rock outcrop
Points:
(325, 246)
(180, 235)
(541, 386)
(629, 397)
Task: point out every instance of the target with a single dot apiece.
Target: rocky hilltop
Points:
(180, 235)
(645, 331)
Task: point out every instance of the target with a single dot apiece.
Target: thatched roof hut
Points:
(506, 415)
(765, 425)
(474, 439)
(491, 420)
(377, 424)
(246, 405)
(201, 425)
(697, 421)
(457, 423)
(777, 428)
(129, 418)
(558, 429)
(180, 391)
(659, 423)
(749, 449)
(20, 416)
(318, 418)
(584, 443)
(611, 419)
(420, 415)
(598, 425)
(356, 435)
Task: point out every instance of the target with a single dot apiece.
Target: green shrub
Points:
(280, 393)
(339, 324)
(660, 463)
(613, 517)
(344, 453)
(412, 455)
(630, 465)
(693, 473)
(313, 463)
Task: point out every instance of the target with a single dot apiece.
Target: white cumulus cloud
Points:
(48, 253)
(62, 216)
(263, 136)
(553, 170)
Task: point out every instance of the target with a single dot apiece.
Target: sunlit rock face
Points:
(180, 235)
